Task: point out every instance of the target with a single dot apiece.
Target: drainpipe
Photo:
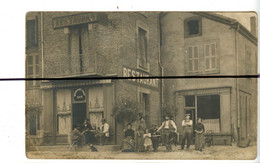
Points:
(237, 84)
(159, 63)
(42, 44)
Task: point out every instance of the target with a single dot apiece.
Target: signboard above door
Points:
(79, 95)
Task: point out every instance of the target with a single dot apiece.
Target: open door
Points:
(78, 114)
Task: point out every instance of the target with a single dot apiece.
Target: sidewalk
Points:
(113, 152)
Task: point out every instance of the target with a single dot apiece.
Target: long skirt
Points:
(140, 142)
(199, 141)
(128, 145)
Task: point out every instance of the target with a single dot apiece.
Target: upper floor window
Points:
(193, 58)
(142, 39)
(33, 69)
(192, 27)
(210, 57)
(201, 58)
(31, 33)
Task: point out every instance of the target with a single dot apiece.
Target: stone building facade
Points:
(92, 45)
(207, 44)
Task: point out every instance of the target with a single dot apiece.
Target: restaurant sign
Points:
(140, 77)
(78, 19)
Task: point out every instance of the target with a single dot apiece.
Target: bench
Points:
(220, 138)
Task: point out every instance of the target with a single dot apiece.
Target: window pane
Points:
(190, 52)
(189, 101)
(32, 124)
(30, 70)
(190, 65)
(207, 50)
(207, 63)
(213, 49)
(196, 65)
(193, 26)
(213, 62)
(208, 107)
(37, 70)
(29, 60)
(31, 33)
(36, 59)
(142, 46)
(195, 52)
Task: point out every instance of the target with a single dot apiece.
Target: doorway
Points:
(78, 114)
(145, 101)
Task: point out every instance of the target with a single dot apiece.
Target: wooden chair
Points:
(209, 138)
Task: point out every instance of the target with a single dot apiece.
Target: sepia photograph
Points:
(144, 85)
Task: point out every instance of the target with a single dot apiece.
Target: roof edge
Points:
(233, 23)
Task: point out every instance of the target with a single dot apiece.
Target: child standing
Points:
(147, 140)
(155, 137)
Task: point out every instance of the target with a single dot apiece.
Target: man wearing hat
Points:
(104, 132)
(168, 126)
(187, 131)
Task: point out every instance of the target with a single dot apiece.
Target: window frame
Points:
(186, 27)
(141, 25)
(35, 65)
(210, 57)
(192, 59)
(34, 42)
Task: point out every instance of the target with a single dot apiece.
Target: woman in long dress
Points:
(141, 127)
(199, 139)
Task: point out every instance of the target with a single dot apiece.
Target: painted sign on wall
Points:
(136, 77)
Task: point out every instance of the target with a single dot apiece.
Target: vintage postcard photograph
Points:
(141, 85)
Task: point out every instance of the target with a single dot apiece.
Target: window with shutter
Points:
(210, 57)
(193, 59)
(31, 33)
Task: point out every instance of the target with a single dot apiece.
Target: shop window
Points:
(208, 108)
(31, 33)
(193, 59)
(210, 57)
(95, 119)
(143, 55)
(192, 27)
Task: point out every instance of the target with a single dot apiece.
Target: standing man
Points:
(187, 131)
(168, 126)
(104, 132)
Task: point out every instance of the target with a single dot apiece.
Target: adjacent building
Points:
(207, 44)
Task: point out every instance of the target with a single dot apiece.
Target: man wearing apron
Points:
(168, 127)
(187, 131)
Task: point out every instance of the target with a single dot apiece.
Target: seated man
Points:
(128, 144)
(87, 128)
